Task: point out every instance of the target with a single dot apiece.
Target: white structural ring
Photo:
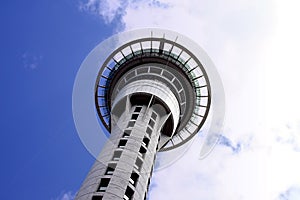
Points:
(155, 88)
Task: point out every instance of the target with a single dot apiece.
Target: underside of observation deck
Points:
(163, 60)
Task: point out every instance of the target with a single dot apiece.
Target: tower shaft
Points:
(124, 166)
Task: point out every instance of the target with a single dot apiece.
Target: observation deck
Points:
(162, 60)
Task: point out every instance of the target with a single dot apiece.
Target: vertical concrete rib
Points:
(126, 161)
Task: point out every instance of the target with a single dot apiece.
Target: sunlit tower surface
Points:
(151, 94)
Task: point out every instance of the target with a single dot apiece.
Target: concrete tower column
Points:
(124, 167)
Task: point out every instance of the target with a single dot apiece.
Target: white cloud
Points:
(255, 171)
(254, 45)
(225, 174)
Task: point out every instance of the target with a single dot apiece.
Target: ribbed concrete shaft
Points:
(125, 164)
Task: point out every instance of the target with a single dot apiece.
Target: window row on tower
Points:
(129, 192)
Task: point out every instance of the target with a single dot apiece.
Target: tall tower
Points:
(151, 93)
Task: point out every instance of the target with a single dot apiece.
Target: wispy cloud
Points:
(292, 193)
(107, 9)
(289, 134)
(284, 161)
(236, 148)
(110, 10)
(65, 196)
(222, 175)
(31, 61)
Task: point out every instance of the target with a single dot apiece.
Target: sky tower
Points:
(151, 93)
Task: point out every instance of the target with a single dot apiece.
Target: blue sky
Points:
(43, 44)
(251, 43)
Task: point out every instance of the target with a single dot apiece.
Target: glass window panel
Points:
(138, 164)
(117, 155)
(191, 127)
(168, 75)
(177, 84)
(167, 47)
(133, 178)
(155, 70)
(146, 45)
(134, 116)
(103, 110)
(122, 143)
(106, 72)
(149, 130)
(126, 51)
(184, 56)
(111, 64)
(97, 197)
(131, 123)
(110, 168)
(182, 96)
(201, 81)
(151, 123)
(204, 91)
(100, 91)
(203, 101)
(155, 45)
(196, 119)
(106, 119)
(176, 51)
(118, 57)
(128, 193)
(102, 81)
(103, 184)
(153, 115)
(146, 141)
(142, 70)
(184, 134)
(137, 109)
(192, 63)
(176, 139)
(136, 47)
